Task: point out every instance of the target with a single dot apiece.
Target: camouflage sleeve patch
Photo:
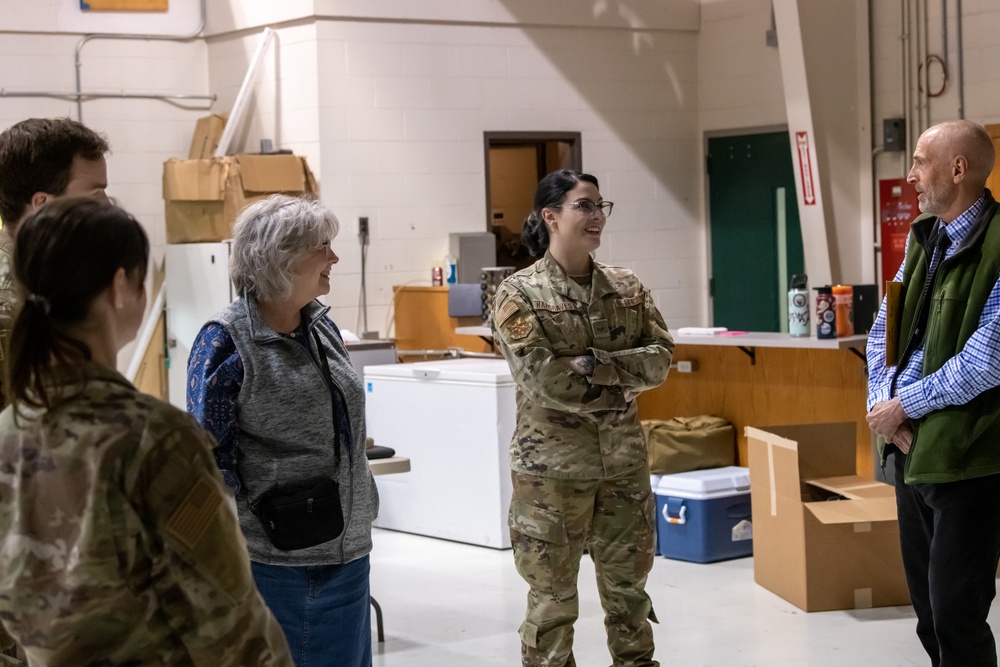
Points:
(193, 515)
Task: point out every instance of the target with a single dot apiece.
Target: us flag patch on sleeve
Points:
(190, 520)
(505, 312)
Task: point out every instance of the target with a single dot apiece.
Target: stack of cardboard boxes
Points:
(204, 194)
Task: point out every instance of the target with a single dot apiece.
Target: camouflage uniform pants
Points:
(552, 521)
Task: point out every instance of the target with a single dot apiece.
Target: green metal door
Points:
(754, 226)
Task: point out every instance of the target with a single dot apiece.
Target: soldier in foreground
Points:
(583, 339)
(117, 545)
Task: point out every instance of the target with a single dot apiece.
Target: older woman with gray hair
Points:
(270, 378)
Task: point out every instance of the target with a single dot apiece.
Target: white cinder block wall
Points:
(399, 119)
(391, 111)
(37, 53)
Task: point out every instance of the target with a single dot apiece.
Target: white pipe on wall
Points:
(242, 98)
(146, 333)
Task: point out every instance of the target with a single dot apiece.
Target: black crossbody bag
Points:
(300, 515)
(304, 514)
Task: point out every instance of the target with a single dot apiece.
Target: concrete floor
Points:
(447, 604)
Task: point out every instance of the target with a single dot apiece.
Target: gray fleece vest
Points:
(287, 429)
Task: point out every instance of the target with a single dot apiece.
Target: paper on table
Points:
(700, 331)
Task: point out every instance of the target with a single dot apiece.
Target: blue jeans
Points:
(323, 609)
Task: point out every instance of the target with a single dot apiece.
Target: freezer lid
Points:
(485, 371)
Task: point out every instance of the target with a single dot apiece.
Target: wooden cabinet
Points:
(422, 322)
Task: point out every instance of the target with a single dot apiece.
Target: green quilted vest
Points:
(961, 441)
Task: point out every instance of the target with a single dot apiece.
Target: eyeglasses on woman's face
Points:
(324, 247)
(588, 207)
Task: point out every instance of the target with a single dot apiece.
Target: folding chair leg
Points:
(378, 620)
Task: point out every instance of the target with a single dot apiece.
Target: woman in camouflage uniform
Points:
(117, 543)
(583, 339)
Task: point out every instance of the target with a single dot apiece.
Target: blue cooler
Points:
(704, 515)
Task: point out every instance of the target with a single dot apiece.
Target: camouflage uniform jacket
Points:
(8, 303)
(119, 545)
(569, 425)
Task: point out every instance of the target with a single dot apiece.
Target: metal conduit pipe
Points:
(915, 72)
(944, 30)
(73, 96)
(876, 146)
(961, 62)
(904, 17)
(171, 38)
(923, 49)
(79, 95)
(926, 95)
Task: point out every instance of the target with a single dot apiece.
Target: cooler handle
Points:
(674, 511)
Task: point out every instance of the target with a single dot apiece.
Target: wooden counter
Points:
(757, 379)
(774, 380)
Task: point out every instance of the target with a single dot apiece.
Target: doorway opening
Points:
(756, 239)
(515, 163)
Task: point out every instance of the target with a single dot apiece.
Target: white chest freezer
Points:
(454, 420)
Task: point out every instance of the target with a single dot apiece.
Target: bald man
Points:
(937, 412)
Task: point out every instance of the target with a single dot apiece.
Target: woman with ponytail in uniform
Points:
(583, 339)
(117, 543)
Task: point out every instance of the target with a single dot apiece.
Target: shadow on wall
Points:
(641, 82)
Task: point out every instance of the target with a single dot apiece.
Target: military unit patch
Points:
(519, 328)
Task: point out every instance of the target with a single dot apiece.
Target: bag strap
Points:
(334, 393)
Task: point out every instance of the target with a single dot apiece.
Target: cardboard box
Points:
(203, 197)
(824, 538)
(207, 133)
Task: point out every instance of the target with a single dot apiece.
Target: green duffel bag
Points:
(689, 443)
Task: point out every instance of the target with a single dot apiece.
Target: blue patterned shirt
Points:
(963, 377)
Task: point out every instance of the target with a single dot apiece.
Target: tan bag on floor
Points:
(689, 443)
